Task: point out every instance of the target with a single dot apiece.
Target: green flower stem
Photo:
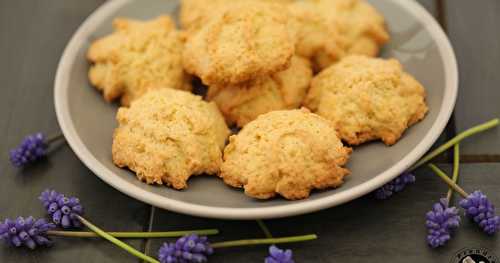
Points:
(447, 180)
(264, 241)
(117, 242)
(456, 167)
(455, 140)
(204, 232)
(54, 137)
(264, 228)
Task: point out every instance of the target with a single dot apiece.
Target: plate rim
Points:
(65, 122)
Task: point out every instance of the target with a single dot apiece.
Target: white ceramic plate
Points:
(88, 122)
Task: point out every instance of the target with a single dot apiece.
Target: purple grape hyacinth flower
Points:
(277, 255)
(441, 220)
(189, 248)
(394, 186)
(482, 211)
(26, 232)
(61, 209)
(31, 149)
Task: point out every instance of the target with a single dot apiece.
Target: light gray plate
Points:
(88, 121)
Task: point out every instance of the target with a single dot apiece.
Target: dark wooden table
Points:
(33, 35)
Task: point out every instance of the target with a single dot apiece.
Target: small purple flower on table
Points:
(441, 220)
(394, 186)
(61, 209)
(190, 248)
(482, 211)
(277, 255)
(26, 232)
(31, 149)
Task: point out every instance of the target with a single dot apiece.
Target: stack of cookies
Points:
(300, 78)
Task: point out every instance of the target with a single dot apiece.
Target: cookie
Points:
(360, 24)
(136, 57)
(367, 99)
(168, 135)
(318, 39)
(288, 152)
(194, 14)
(245, 41)
(242, 103)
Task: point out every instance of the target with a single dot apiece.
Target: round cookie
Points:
(246, 40)
(318, 39)
(242, 103)
(286, 152)
(136, 57)
(168, 135)
(360, 24)
(367, 99)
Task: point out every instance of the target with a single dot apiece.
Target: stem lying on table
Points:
(54, 138)
(264, 241)
(117, 242)
(456, 167)
(447, 180)
(264, 228)
(455, 140)
(83, 234)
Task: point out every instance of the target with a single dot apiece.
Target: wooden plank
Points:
(363, 230)
(34, 34)
(473, 29)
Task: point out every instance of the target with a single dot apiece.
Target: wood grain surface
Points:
(33, 35)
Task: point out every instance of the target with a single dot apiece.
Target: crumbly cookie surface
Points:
(242, 103)
(194, 14)
(286, 152)
(318, 38)
(136, 57)
(367, 99)
(360, 24)
(246, 40)
(168, 135)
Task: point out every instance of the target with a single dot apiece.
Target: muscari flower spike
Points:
(277, 255)
(61, 209)
(441, 220)
(482, 211)
(26, 232)
(31, 149)
(189, 248)
(394, 186)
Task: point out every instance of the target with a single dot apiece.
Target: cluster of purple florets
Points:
(31, 232)
(277, 255)
(62, 210)
(31, 149)
(482, 211)
(394, 186)
(190, 248)
(441, 220)
(27, 232)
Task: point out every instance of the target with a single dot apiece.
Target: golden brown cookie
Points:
(194, 14)
(367, 99)
(286, 152)
(318, 38)
(360, 24)
(168, 135)
(245, 41)
(242, 103)
(136, 57)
